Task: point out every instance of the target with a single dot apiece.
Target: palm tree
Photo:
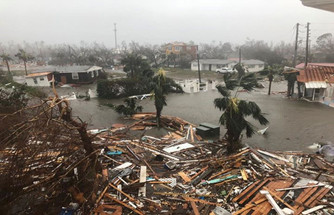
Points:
(129, 108)
(131, 63)
(22, 55)
(6, 58)
(236, 110)
(160, 89)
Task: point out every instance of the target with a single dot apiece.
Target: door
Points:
(63, 79)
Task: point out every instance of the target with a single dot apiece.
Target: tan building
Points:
(178, 47)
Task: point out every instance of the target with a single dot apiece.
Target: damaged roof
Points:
(316, 76)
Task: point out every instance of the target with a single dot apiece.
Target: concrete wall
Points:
(39, 81)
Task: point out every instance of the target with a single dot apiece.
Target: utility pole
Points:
(295, 62)
(115, 30)
(296, 46)
(307, 44)
(199, 70)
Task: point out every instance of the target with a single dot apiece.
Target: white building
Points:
(42, 79)
(213, 64)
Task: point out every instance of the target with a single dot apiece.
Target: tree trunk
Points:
(25, 67)
(269, 90)
(158, 118)
(9, 73)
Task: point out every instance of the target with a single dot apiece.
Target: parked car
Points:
(224, 70)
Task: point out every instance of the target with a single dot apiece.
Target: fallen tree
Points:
(47, 159)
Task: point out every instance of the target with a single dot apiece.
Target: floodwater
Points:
(294, 124)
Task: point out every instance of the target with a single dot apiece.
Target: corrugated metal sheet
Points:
(316, 76)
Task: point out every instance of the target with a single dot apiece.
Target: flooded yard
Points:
(294, 124)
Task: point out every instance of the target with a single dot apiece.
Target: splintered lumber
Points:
(219, 173)
(101, 195)
(194, 206)
(149, 166)
(184, 176)
(279, 198)
(199, 172)
(142, 179)
(244, 174)
(125, 194)
(124, 204)
(189, 199)
(272, 202)
(311, 210)
(249, 206)
(301, 187)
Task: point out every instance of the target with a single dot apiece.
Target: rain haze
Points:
(156, 22)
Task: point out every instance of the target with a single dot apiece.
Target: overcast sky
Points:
(157, 21)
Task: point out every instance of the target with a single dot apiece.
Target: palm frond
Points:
(221, 103)
(223, 90)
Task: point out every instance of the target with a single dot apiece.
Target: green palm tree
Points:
(22, 55)
(131, 63)
(160, 89)
(235, 110)
(6, 58)
(129, 108)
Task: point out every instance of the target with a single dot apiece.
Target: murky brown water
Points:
(293, 124)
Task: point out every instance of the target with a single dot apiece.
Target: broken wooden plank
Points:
(142, 179)
(194, 207)
(122, 192)
(184, 176)
(124, 204)
(272, 202)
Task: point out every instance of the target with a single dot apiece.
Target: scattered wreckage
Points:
(182, 173)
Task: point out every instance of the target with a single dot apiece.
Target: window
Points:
(194, 64)
(75, 75)
(35, 80)
(41, 78)
(177, 48)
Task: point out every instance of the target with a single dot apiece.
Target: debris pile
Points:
(180, 173)
(124, 170)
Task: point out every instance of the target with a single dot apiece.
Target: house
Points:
(76, 74)
(178, 47)
(317, 82)
(41, 79)
(65, 75)
(213, 64)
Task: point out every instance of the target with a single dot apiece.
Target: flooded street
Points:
(294, 125)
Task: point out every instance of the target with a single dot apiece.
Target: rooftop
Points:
(316, 76)
(31, 75)
(221, 61)
(67, 69)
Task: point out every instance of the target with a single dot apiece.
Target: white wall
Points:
(256, 68)
(40, 83)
